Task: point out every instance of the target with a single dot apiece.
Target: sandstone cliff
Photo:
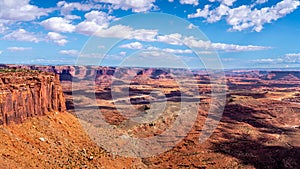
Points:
(25, 93)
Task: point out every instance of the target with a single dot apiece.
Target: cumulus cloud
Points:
(20, 10)
(58, 24)
(95, 21)
(227, 2)
(66, 8)
(88, 28)
(201, 12)
(261, 1)
(258, 17)
(190, 2)
(173, 39)
(1, 52)
(99, 17)
(22, 35)
(72, 17)
(134, 5)
(133, 45)
(57, 38)
(211, 15)
(246, 16)
(218, 13)
(14, 49)
(71, 52)
(116, 31)
(146, 35)
(126, 32)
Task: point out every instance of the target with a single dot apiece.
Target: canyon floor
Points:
(259, 128)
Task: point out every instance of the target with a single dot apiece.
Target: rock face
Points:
(28, 93)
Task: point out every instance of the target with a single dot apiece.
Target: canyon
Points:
(259, 127)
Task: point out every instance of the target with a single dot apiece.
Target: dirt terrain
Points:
(258, 129)
(55, 140)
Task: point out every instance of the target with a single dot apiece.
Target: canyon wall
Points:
(26, 93)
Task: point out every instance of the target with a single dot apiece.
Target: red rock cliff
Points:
(26, 94)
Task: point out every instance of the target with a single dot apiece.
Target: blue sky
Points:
(241, 34)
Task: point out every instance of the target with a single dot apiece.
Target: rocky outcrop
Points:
(27, 93)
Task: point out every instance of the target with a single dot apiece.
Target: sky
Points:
(164, 33)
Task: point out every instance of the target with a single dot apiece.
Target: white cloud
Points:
(178, 51)
(147, 35)
(211, 15)
(57, 38)
(66, 8)
(190, 2)
(71, 52)
(207, 45)
(14, 49)
(261, 1)
(1, 52)
(87, 28)
(171, 0)
(126, 32)
(267, 60)
(50, 61)
(228, 59)
(133, 45)
(237, 48)
(58, 24)
(205, 52)
(191, 26)
(72, 17)
(134, 5)
(292, 55)
(122, 53)
(173, 39)
(116, 31)
(20, 10)
(96, 24)
(3, 28)
(245, 16)
(99, 17)
(95, 21)
(169, 50)
(200, 13)
(227, 2)
(21, 35)
(290, 58)
(218, 13)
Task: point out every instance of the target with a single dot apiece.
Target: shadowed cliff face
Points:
(26, 94)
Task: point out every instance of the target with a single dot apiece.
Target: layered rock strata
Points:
(25, 93)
